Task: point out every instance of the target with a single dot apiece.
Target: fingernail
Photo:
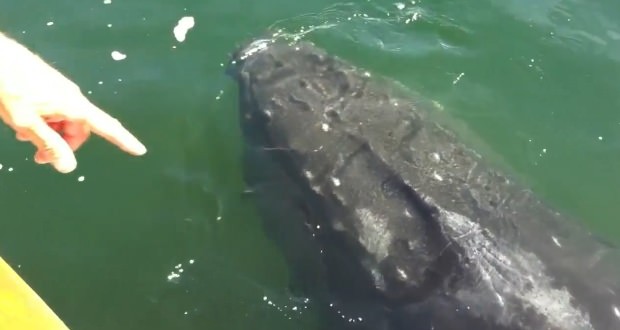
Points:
(38, 160)
(138, 148)
(41, 157)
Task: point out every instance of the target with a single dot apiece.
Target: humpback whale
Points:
(388, 217)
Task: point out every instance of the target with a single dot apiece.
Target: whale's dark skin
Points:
(387, 215)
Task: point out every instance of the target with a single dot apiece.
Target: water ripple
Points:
(404, 29)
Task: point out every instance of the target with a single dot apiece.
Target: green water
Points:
(536, 82)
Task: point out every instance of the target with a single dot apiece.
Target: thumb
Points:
(51, 147)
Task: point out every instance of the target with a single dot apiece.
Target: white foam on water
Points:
(344, 315)
(173, 276)
(183, 26)
(118, 56)
(290, 309)
(254, 47)
(458, 78)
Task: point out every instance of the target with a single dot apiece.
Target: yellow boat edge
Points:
(21, 308)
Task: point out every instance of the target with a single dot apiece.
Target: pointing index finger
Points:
(112, 130)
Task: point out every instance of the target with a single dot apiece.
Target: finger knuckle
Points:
(22, 122)
(115, 122)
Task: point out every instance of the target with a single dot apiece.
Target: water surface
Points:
(170, 241)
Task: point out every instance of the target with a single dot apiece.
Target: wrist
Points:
(15, 61)
(12, 53)
(22, 71)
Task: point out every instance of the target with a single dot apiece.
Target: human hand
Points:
(48, 110)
